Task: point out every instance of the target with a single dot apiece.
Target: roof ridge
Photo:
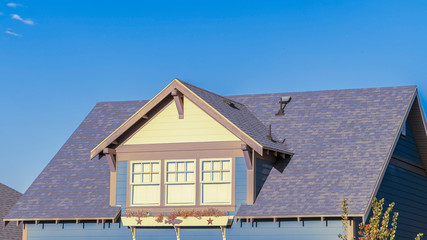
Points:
(317, 91)
(262, 94)
(1, 184)
(216, 94)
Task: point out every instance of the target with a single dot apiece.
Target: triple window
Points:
(182, 183)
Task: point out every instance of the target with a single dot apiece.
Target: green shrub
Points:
(379, 227)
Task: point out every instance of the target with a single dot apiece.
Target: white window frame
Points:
(131, 184)
(201, 182)
(166, 183)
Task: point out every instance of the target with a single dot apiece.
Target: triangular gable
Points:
(415, 116)
(149, 110)
(417, 121)
(167, 127)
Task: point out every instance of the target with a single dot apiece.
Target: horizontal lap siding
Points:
(307, 230)
(263, 168)
(196, 126)
(304, 230)
(240, 183)
(91, 231)
(121, 184)
(406, 147)
(409, 192)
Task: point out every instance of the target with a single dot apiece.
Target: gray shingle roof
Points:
(8, 198)
(72, 185)
(241, 116)
(340, 139)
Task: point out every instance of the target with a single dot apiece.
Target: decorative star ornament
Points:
(139, 220)
(210, 221)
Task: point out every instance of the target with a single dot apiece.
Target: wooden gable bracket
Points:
(246, 154)
(116, 218)
(111, 159)
(178, 97)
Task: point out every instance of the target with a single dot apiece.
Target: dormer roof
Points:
(234, 116)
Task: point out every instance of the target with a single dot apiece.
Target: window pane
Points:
(146, 167)
(155, 167)
(146, 194)
(137, 178)
(181, 177)
(207, 176)
(226, 165)
(146, 178)
(190, 177)
(226, 176)
(216, 165)
(155, 178)
(180, 194)
(171, 167)
(190, 166)
(181, 166)
(214, 193)
(137, 167)
(171, 177)
(216, 176)
(207, 165)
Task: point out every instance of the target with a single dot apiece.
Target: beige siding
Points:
(196, 126)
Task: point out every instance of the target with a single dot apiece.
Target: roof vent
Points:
(283, 102)
(270, 136)
(229, 103)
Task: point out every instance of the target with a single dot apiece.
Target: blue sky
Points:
(58, 58)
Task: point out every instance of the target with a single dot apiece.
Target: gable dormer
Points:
(188, 148)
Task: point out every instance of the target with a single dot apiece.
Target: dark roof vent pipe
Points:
(283, 102)
(270, 136)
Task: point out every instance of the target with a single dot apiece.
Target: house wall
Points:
(304, 230)
(408, 191)
(407, 188)
(406, 148)
(80, 231)
(263, 168)
(121, 184)
(240, 190)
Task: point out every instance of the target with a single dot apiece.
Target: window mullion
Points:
(162, 182)
(197, 181)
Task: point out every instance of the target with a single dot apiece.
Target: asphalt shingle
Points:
(72, 185)
(341, 140)
(241, 116)
(8, 198)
